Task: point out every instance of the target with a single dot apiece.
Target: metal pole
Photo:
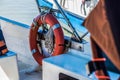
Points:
(68, 21)
(84, 34)
(38, 5)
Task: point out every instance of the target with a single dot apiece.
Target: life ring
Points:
(58, 35)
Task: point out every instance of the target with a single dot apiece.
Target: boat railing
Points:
(63, 13)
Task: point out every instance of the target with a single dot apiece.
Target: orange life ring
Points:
(58, 34)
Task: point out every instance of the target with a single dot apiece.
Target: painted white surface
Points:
(71, 65)
(17, 40)
(3, 75)
(17, 37)
(9, 66)
(68, 64)
(19, 10)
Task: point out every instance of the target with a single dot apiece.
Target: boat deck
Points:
(24, 12)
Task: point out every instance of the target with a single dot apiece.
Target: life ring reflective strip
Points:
(58, 33)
